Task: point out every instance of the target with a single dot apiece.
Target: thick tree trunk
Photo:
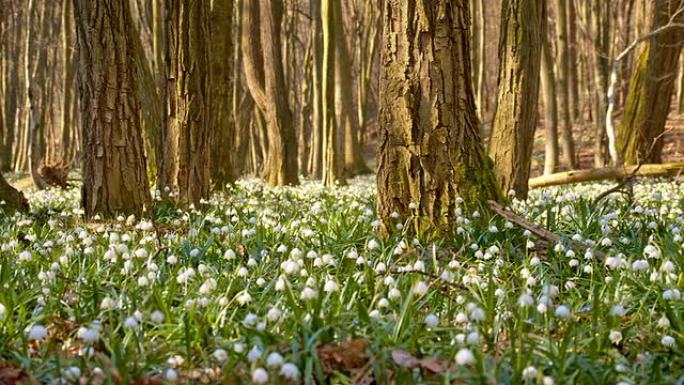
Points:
(516, 112)
(430, 149)
(186, 138)
(114, 172)
(11, 199)
(548, 84)
(650, 90)
(222, 125)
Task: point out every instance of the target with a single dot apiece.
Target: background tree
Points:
(520, 47)
(651, 87)
(114, 172)
(430, 150)
(186, 138)
(262, 60)
(332, 167)
(564, 86)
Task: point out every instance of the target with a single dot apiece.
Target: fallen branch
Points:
(538, 231)
(597, 174)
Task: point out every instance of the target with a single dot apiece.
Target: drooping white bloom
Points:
(431, 320)
(274, 360)
(37, 332)
(131, 323)
(220, 355)
(615, 337)
(330, 286)
(254, 354)
(289, 371)
(667, 341)
(465, 357)
(529, 372)
(562, 311)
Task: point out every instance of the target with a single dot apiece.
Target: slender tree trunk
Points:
(548, 84)
(265, 78)
(186, 140)
(316, 154)
(114, 172)
(567, 141)
(650, 89)
(222, 125)
(332, 170)
(516, 112)
(574, 63)
(430, 149)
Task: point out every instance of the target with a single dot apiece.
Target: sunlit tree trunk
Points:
(430, 149)
(567, 141)
(650, 89)
(516, 112)
(332, 170)
(114, 172)
(184, 170)
(548, 84)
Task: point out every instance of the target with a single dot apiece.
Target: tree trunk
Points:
(353, 155)
(650, 89)
(11, 199)
(332, 170)
(222, 125)
(266, 81)
(516, 112)
(548, 84)
(114, 172)
(567, 142)
(186, 139)
(430, 149)
(316, 153)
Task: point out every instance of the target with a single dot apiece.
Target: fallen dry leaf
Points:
(11, 374)
(344, 356)
(404, 359)
(434, 365)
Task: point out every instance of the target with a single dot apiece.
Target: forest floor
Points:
(293, 285)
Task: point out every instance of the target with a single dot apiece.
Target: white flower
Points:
(131, 323)
(259, 376)
(394, 294)
(525, 300)
(477, 314)
(668, 341)
(37, 332)
(220, 355)
(431, 320)
(88, 335)
(3, 311)
(673, 294)
(274, 314)
(465, 357)
(330, 286)
(640, 265)
(562, 311)
(254, 354)
(170, 375)
(618, 311)
(420, 288)
(529, 372)
(274, 360)
(663, 322)
(157, 317)
(473, 338)
(615, 337)
(290, 371)
(309, 294)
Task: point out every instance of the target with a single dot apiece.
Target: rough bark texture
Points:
(222, 126)
(185, 165)
(266, 81)
(430, 148)
(516, 112)
(114, 172)
(650, 89)
(13, 199)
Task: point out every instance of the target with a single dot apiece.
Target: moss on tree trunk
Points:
(430, 148)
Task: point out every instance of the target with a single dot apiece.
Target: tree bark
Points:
(597, 174)
(650, 89)
(430, 149)
(222, 124)
(567, 141)
(516, 112)
(114, 172)
(332, 170)
(184, 174)
(11, 200)
(548, 84)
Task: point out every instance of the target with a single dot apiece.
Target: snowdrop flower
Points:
(618, 311)
(525, 300)
(394, 294)
(431, 320)
(290, 371)
(615, 337)
(3, 311)
(330, 286)
(672, 294)
(309, 294)
(254, 354)
(529, 372)
(420, 288)
(473, 338)
(640, 265)
(131, 323)
(88, 335)
(562, 311)
(71, 373)
(157, 317)
(259, 376)
(274, 360)
(465, 357)
(220, 355)
(274, 314)
(477, 314)
(667, 341)
(37, 332)
(663, 322)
